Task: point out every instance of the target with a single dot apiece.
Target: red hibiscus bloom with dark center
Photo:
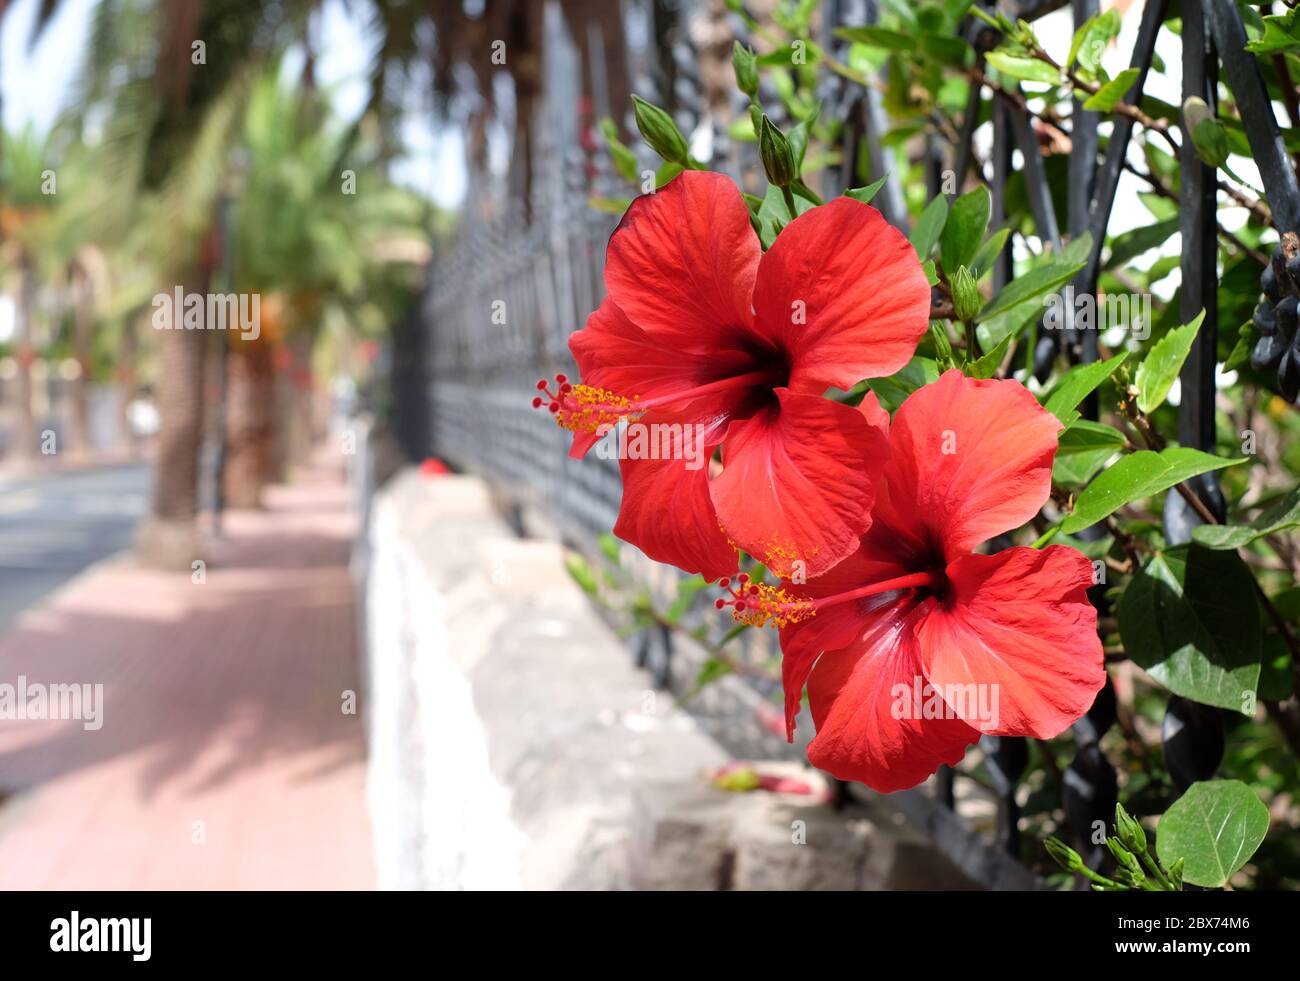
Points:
(701, 329)
(916, 607)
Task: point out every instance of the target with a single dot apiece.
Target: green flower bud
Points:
(777, 155)
(1209, 138)
(966, 299)
(746, 67)
(1130, 831)
(1126, 859)
(1063, 855)
(658, 129)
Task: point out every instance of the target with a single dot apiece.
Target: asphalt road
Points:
(52, 526)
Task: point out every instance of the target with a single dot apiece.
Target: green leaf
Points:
(581, 572)
(773, 215)
(1131, 244)
(1090, 40)
(1156, 373)
(1034, 283)
(1190, 618)
(878, 37)
(1105, 98)
(1084, 448)
(1247, 337)
(1023, 67)
(865, 194)
(987, 252)
(610, 547)
(930, 226)
(1214, 828)
(945, 48)
(1076, 386)
(962, 232)
(987, 366)
(1136, 477)
(611, 206)
(893, 390)
(1279, 517)
(1281, 33)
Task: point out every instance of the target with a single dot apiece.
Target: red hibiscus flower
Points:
(704, 332)
(916, 645)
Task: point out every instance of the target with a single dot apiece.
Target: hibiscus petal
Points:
(1018, 621)
(832, 627)
(868, 727)
(616, 355)
(841, 291)
(873, 412)
(681, 263)
(796, 487)
(968, 460)
(667, 511)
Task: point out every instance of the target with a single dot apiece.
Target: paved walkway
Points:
(225, 760)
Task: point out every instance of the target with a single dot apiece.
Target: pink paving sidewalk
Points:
(222, 705)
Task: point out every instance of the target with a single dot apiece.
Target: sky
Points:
(36, 82)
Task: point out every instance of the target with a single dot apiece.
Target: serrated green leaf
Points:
(1190, 619)
(1136, 477)
(1158, 370)
(1084, 448)
(1214, 829)
(1078, 384)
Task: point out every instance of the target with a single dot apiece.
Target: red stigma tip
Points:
(743, 578)
(753, 590)
(724, 582)
(554, 406)
(541, 385)
(537, 402)
(740, 606)
(561, 379)
(720, 604)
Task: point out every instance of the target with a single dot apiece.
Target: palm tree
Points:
(317, 243)
(169, 123)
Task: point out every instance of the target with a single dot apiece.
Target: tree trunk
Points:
(24, 436)
(83, 314)
(250, 422)
(168, 538)
(125, 375)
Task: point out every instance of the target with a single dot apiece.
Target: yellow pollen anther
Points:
(770, 605)
(584, 409)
